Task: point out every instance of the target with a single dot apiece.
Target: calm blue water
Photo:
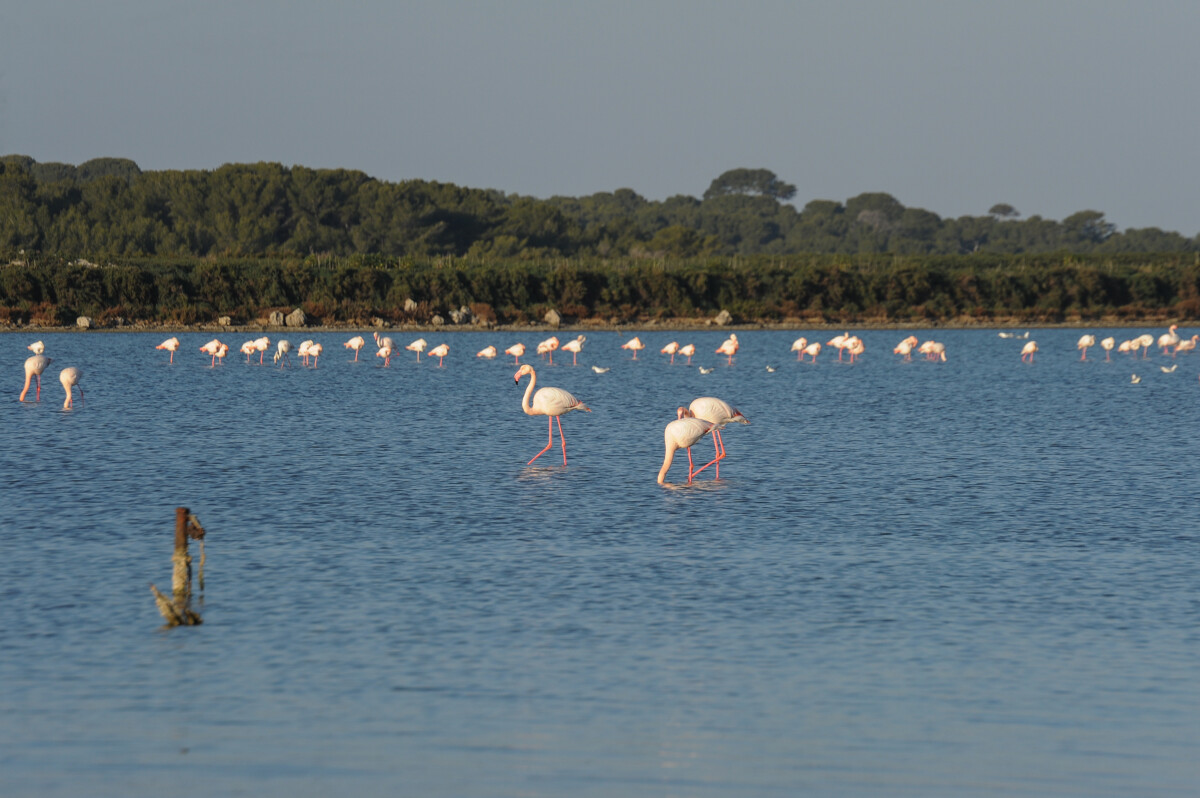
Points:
(969, 578)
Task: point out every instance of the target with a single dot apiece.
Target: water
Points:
(969, 578)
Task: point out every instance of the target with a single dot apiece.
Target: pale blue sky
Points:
(1053, 107)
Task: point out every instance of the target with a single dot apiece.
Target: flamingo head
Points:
(738, 417)
(521, 372)
(683, 412)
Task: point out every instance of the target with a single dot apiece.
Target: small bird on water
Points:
(1166, 370)
(1135, 379)
(600, 370)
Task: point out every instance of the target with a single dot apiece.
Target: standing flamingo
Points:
(1144, 342)
(516, 350)
(550, 402)
(39, 348)
(303, 351)
(1107, 344)
(247, 349)
(1186, 345)
(385, 352)
(683, 433)
(1084, 342)
(855, 347)
(171, 345)
(729, 347)
(34, 366)
(687, 350)
(1028, 351)
(670, 349)
(1168, 339)
(281, 352)
(315, 351)
(440, 351)
(635, 344)
(356, 343)
(417, 346)
(813, 349)
(905, 348)
(840, 342)
(261, 345)
(211, 348)
(69, 377)
(709, 408)
(547, 347)
(575, 347)
(488, 352)
(798, 347)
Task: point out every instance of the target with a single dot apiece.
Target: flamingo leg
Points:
(574, 358)
(172, 358)
(80, 394)
(690, 472)
(550, 430)
(38, 396)
(562, 442)
(673, 363)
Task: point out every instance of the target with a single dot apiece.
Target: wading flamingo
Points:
(547, 347)
(575, 347)
(171, 345)
(39, 348)
(1029, 350)
(70, 377)
(1186, 345)
(683, 433)
(211, 348)
(488, 352)
(709, 408)
(303, 351)
(417, 346)
(855, 347)
(247, 349)
(356, 343)
(516, 350)
(905, 347)
(670, 349)
(315, 351)
(729, 348)
(440, 351)
(687, 350)
(385, 352)
(838, 341)
(813, 349)
(635, 344)
(550, 402)
(1144, 342)
(34, 366)
(1169, 338)
(261, 345)
(281, 352)
(1084, 342)
(798, 347)
(1107, 344)
(1128, 347)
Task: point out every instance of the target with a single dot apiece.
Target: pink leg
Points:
(37, 397)
(550, 430)
(689, 451)
(561, 440)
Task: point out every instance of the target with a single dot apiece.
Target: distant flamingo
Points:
(855, 347)
(687, 350)
(682, 433)
(547, 347)
(798, 347)
(840, 342)
(34, 366)
(70, 377)
(1144, 342)
(381, 341)
(171, 345)
(575, 347)
(550, 402)
(315, 351)
(356, 343)
(729, 347)
(488, 352)
(304, 351)
(281, 352)
(670, 349)
(385, 352)
(812, 349)
(1186, 345)
(709, 408)
(417, 346)
(1168, 339)
(635, 344)
(222, 351)
(1084, 342)
(440, 351)
(905, 347)
(211, 348)
(1107, 344)
(1128, 347)
(261, 345)
(516, 350)
(937, 351)
(1028, 351)
(247, 349)
(39, 348)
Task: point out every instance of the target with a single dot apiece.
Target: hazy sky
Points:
(1052, 107)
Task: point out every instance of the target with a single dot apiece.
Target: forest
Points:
(110, 241)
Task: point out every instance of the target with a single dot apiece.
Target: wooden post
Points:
(178, 612)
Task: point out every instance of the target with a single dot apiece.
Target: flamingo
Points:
(798, 347)
(1028, 351)
(547, 347)
(1084, 343)
(385, 352)
(516, 350)
(855, 347)
(635, 344)
(813, 349)
(670, 349)
(281, 352)
(937, 351)
(34, 366)
(315, 351)
(39, 348)
(550, 402)
(222, 351)
(211, 348)
(417, 346)
(440, 351)
(1186, 345)
(840, 342)
(905, 348)
(247, 349)
(1144, 342)
(1169, 338)
(356, 343)
(575, 347)
(1107, 344)
(729, 347)
(683, 433)
(69, 377)
(687, 350)
(304, 351)
(171, 345)
(1128, 347)
(261, 345)
(488, 352)
(709, 408)
(381, 341)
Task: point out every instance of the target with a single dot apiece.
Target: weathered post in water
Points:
(178, 611)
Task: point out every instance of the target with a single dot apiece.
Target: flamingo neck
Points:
(525, 406)
(667, 460)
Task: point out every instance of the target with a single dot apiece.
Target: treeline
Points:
(801, 289)
(109, 208)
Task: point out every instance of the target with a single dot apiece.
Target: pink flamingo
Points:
(683, 433)
(385, 352)
(575, 347)
(315, 351)
(1107, 344)
(516, 350)
(855, 347)
(171, 345)
(39, 348)
(1168, 339)
(247, 349)
(487, 352)
(440, 351)
(211, 348)
(281, 352)
(70, 377)
(687, 350)
(840, 342)
(812, 349)
(1186, 345)
(670, 349)
(34, 366)
(547, 347)
(729, 347)
(709, 408)
(417, 346)
(635, 344)
(1144, 342)
(261, 345)
(1084, 342)
(550, 402)
(356, 343)
(905, 347)
(798, 347)
(1029, 350)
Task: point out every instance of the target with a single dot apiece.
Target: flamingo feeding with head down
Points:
(709, 408)
(440, 351)
(356, 343)
(488, 352)
(729, 348)
(1029, 350)
(516, 350)
(1085, 341)
(315, 350)
(171, 345)
(1107, 344)
(70, 377)
(855, 347)
(683, 433)
(670, 349)
(550, 402)
(635, 344)
(687, 350)
(34, 366)
(385, 352)
(281, 352)
(838, 341)
(575, 347)
(417, 346)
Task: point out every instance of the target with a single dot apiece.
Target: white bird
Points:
(771, 369)
(39, 348)
(70, 377)
(710, 408)
(1135, 379)
(1006, 335)
(600, 370)
(1166, 370)
(682, 433)
(705, 370)
(285, 346)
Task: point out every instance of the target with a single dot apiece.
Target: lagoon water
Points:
(974, 578)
